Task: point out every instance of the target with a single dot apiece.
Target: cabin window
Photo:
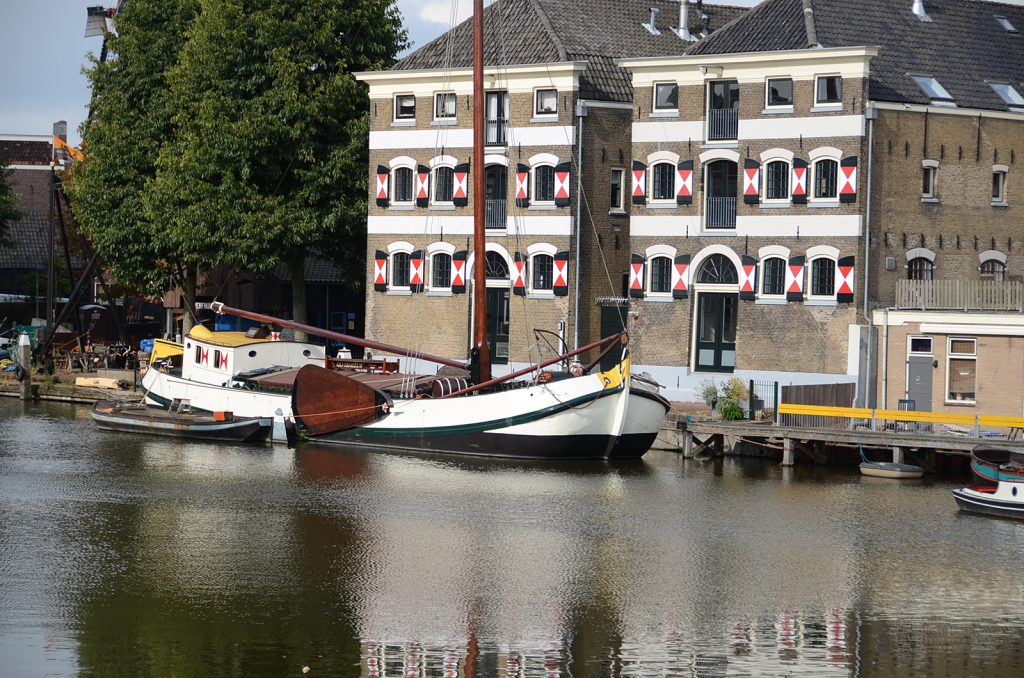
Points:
(252, 354)
(216, 359)
(961, 370)
(199, 354)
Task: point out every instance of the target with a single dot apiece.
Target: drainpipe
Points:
(885, 360)
(581, 113)
(871, 113)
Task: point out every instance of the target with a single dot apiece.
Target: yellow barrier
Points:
(903, 415)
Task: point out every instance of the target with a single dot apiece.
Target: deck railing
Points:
(496, 214)
(959, 295)
(720, 213)
(723, 124)
(989, 427)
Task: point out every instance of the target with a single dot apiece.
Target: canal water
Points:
(122, 555)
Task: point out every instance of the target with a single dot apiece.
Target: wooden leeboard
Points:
(97, 382)
(324, 401)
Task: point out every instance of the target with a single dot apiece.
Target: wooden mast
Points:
(480, 354)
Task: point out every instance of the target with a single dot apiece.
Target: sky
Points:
(43, 51)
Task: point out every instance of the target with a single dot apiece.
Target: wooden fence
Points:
(822, 395)
(960, 295)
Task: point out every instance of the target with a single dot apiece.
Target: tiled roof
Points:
(963, 46)
(315, 271)
(25, 152)
(547, 31)
(28, 237)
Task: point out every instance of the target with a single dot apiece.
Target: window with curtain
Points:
(961, 369)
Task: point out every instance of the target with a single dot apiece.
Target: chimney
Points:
(919, 12)
(684, 22)
(651, 28)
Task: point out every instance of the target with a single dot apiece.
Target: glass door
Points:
(716, 332)
(497, 324)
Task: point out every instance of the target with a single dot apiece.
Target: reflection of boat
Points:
(992, 464)
(247, 373)
(1005, 499)
(159, 421)
(886, 469)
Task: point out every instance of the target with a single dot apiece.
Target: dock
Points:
(63, 388)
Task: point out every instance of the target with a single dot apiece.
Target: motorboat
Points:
(1005, 499)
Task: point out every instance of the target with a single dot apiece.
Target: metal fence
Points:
(496, 131)
(720, 213)
(496, 213)
(960, 295)
(723, 123)
(763, 400)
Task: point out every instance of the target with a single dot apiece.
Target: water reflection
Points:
(125, 555)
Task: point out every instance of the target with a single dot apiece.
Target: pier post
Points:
(897, 455)
(687, 445)
(787, 451)
(25, 360)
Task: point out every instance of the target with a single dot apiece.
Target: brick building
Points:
(558, 111)
(27, 159)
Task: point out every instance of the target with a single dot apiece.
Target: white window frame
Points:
(1000, 171)
(929, 168)
(536, 103)
(393, 188)
(446, 118)
(767, 93)
(434, 184)
(764, 181)
(395, 118)
(534, 200)
(933, 89)
(816, 156)
(828, 104)
(910, 343)
(818, 253)
(621, 209)
(764, 254)
(394, 248)
(434, 249)
(961, 356)
(671, 200)
(655, 109)
(533, 251)
(650, 254)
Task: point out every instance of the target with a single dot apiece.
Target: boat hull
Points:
(897, 471)
(985, 500)
(157, 421)
(993, 464)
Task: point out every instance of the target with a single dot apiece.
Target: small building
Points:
(23, 262)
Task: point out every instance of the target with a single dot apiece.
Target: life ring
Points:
(19, 372)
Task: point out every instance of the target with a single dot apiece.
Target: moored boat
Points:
(886, 469)
(220, 426)
(1005, 499)
(992, 464)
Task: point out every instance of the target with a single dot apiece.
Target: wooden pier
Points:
(923, 434)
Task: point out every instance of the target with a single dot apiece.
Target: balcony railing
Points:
(496, 213)
(723, 124)
(720, 213)
(496, 132)
(959, 295)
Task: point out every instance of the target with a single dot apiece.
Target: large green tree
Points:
(269, 154)
(8, 206)
(132, 113)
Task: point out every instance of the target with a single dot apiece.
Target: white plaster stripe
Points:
(546, 135)
(675, 130)
(762, 129)
(664, 225)
(463, 225)
(839, 225)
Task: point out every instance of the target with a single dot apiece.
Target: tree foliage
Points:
(8, 206)
(240, 140)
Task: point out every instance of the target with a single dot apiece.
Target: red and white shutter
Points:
(459, 272)
(845, 287)
(798, 181)
(383, 176)
(422, 186)
(380, 271)
(519, 274)
(561, 281)
(639, 183)
(636, 275)
(795, 279)
(681, 277)
(522, 185)
(684, 182)
(416, 271)
(562, 174)
(751, 181)
(460, 185)
(848, 179)
(748, 277)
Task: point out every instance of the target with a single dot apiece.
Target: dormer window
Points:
(930, 86)
(1005, 23)
(1009, 95)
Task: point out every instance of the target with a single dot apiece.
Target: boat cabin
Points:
(214, 357)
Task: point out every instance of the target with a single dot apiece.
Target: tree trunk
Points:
(189, 297)
(297, 269)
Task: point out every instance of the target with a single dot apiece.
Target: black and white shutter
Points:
(684, 182)
(680, 277)
(519, 274)
(751, 182)
(561, 281)
(459, 272)
(460, 185)
(846, 283)
(748, 277)
(639, 183)
(795, 279)
(848, 179)
(563, 172)
(383, 183)
(380, 271)
(422, 186)
(799, 181)
(522, 185)
(636, 275)
(416, 271)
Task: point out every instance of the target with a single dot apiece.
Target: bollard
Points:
(25, 361)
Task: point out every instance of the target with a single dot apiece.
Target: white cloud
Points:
(436, 11)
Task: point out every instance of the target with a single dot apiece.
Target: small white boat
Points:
(886, 469)
(1005, 500)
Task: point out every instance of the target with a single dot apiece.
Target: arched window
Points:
(717, 270)
(495, 266)
(542, 267)
(773, 277)
(400, 269)
(663, 186)
(660, 275)
(823, 277)
(920, 268)
(441, 271)
(776, 180)
(826, 178)
(444, 184)
(543, 184)
(993, 268)
(402, 176)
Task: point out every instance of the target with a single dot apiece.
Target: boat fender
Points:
(19, 372)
